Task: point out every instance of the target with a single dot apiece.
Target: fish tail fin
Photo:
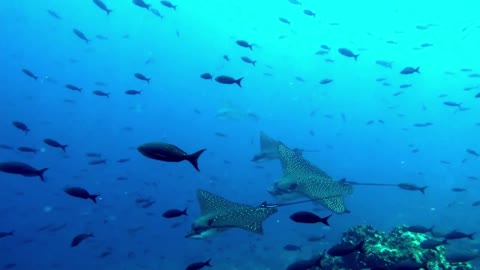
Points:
(254, 62)
(41, 172)
(325, 220)
(64, 147)
(470, 236)
(444, 242)
(355, 56)
(35, 78)
(251, 46)
(108, 95)
(94, 197)
(148, 80)
(417, 70)
(174, 8)
(239, 82)
(11, 232)
(422, 189)
(193, 158)
(108, 11)
(91, 235)
(184, 212)
(207, 263)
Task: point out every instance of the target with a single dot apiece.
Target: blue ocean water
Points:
(363, 128)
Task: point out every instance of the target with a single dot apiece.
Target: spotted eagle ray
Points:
(220, 214)
(303, 179)
(269, 149)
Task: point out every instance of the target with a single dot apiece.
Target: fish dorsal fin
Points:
(267, 144)
(294, 164)
(210, 203)
(244, 217)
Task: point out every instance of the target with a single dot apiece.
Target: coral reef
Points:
(386, 250)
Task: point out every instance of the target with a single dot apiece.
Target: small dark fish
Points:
(344, 249)
(432, 243)
(133, 92)
(284, 20)
(316, 238)
(412, 187)
(141, 4)
(385, 64)
(29, 73)
(477, 95)
(80, 35)
(309, 13)
(168, 5)
(23, 169)
(199, 265)
(6, 147)
(173, 213)
(396, 94)
(101, 93)
(370, 122)
(223, 79)
(426, 124)
(459, 189)
(474, 75)
(221, 135)
(156, 13)
(290, 247)
(308, 217)
(325, 47)
(102, 6)
(5, 234)
(426, 45)
(54, 14)
(472, 178)
(168, 152)
(321, 52)
(206, 76)
(245, 44)
(348, 53)
(472, 152)
(97, 162)
(79, 238)
(476, 203)
(452, 104)
(295, 2)
(105, 254)
(407, 85)
(81, 193)
(418, 229)
(123, 160)
(22, 126)
(73, 87)
(300, 79)
(26, 149)
(410, 70)
(458, 235)
(248, 60)
(93, 154)
(101, 37)
(326, 81)
(141, 77)
(55, 144)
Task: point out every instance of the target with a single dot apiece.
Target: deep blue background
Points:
(174, 51)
